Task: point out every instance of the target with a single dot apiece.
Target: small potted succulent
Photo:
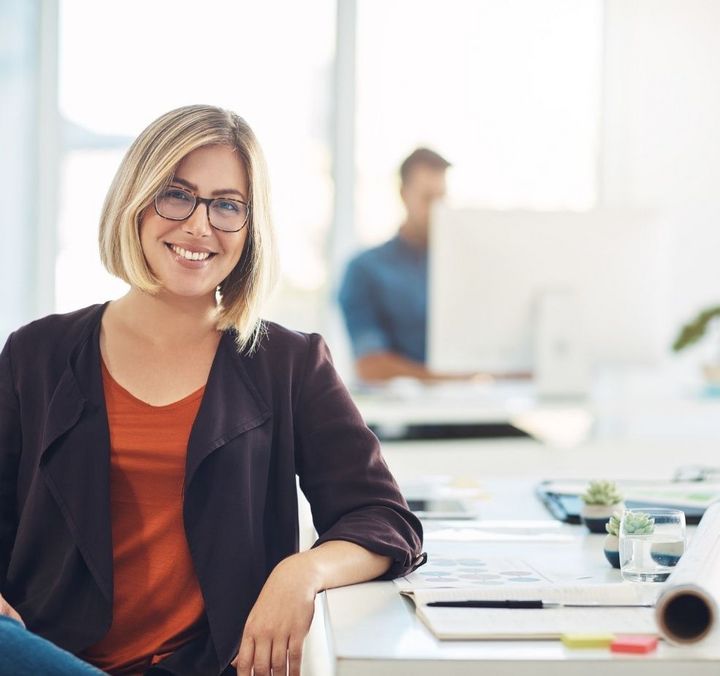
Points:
(638, 523)
(611, 546)
(600, 501)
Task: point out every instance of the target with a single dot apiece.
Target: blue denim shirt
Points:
(384, 299)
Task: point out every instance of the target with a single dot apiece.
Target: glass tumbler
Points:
(652, 540)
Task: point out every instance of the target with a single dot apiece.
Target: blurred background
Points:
(562, 105)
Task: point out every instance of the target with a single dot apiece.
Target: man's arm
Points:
(380, 366)
(363, 320)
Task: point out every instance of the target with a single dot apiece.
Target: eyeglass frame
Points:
(207, 201)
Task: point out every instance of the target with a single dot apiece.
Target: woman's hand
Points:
(280, 619)
(7, 610)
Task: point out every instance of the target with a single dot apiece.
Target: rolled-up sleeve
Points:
(10, 445)
(352, 494)
(363, 319)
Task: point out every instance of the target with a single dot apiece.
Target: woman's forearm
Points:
(281, 617)
(337, 563)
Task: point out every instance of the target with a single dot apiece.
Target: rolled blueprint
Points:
(687, 609)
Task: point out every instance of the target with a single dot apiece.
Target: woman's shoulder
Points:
(276, 338)
(283, 355)
(57, 330)
(280, 347)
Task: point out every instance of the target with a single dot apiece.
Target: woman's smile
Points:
(191, 258)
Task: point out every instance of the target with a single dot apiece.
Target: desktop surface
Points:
(373, 630)
(664, 405)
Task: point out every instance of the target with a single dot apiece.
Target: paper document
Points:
(472, 572)
(541, 623)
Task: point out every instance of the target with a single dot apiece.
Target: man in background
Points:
(384, 299)
(384, 292)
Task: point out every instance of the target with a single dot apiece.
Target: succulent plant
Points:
(601, 493)
(638, 523)
(613, 526)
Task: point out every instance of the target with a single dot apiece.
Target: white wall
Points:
(661, 134)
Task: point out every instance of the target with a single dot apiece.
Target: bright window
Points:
(124, 64)
(508, 91)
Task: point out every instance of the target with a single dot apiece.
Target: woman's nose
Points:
(199, 223)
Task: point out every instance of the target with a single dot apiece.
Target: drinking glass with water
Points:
(652, 540)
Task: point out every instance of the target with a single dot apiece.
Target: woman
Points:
(149, 446)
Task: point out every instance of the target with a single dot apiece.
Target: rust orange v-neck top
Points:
(157, 603)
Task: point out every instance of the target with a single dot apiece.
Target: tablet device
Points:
(441, 508)
(562, 498)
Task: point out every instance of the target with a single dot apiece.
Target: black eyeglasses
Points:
(177, 204)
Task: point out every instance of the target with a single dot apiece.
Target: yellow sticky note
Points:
(587, 640)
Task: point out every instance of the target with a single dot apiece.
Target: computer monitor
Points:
(502, 282)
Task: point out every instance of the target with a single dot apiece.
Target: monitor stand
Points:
(561, 367)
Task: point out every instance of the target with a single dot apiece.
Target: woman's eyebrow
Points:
(192, 186)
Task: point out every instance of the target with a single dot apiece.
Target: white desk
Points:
(647, 405)
(410, 402)
(628, 429)
(373, 630)
(529, 459)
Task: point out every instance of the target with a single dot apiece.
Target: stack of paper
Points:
(590, 609)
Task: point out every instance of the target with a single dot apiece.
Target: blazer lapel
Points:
(221, 514)
(231, 405)
(75, 459)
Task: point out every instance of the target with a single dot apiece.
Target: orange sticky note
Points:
(634, 644)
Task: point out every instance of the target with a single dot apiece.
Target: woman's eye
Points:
(175, 194)
(227, 205)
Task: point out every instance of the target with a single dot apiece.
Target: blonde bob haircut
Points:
(149, 166)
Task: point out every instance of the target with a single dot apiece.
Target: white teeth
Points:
(190, 255)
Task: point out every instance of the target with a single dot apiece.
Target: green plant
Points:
(638, 523)
(694, 330)
(613, 526)
(601, 493)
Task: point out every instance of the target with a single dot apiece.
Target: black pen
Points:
(487, 604)
(531, 604)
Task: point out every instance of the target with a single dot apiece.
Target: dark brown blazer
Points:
(263, 420)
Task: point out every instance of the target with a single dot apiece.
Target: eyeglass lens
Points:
(225, 214)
